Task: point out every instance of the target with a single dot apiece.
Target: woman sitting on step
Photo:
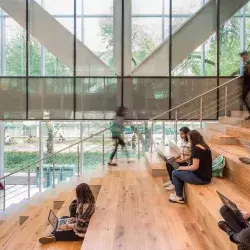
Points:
(76, 227)
(199, 172)
(182, 160)
(237, 229)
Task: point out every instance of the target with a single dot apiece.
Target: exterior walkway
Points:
(133, 213)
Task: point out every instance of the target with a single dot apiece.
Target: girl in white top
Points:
(182, 159)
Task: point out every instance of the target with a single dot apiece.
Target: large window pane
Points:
(147, 7)
(96, 98)
(15, 48)
(12, 98)
(59, 7)
(198, 55)
(21, 148)
(146, 36)
(51, 98)
(98, 7)
(60, 43)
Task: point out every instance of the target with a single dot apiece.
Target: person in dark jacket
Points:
(246, 80)
(237, 229)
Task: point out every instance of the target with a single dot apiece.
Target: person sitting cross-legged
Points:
(199, 172)
(77, 226)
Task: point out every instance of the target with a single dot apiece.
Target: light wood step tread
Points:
(205, 204)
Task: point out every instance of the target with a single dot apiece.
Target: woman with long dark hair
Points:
(75, 228)
(182, 159)
(199, 172)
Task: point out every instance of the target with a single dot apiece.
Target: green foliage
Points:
(17, 160)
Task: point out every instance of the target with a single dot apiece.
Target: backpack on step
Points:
(218, 166)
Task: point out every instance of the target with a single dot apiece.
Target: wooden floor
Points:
(133, 213)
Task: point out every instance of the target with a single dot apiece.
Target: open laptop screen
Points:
(53, 219)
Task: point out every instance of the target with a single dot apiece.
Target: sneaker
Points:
(47, 239)
(170, 188)
(243, 247)
(248, 118)
(245, 160)
(112, 164)
(226, 228)
(168, 183)
(175, 199)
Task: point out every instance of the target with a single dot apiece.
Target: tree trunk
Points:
(145, 141)
(50, 140)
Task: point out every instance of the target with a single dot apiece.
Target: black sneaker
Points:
(112, 164)
(245, 160)
(47, 239)
(243, 247)
(248, 118)
(226, 228)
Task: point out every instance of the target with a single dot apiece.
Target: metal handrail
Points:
(51, 155)
(193, 99)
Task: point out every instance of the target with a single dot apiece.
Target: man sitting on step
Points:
(237, 230)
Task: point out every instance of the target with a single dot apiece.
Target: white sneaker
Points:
(171, 187)
(175, 199)
(168, 183)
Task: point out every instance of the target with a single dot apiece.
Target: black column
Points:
(74, 63)
(170, 56)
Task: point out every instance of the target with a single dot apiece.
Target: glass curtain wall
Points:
(80, 59)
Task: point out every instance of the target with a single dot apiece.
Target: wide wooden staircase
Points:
(24, 227)
(229, 137)
(132, 210)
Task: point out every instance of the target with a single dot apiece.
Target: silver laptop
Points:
(55, 222)
(174, 164)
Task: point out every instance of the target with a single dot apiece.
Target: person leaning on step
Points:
(199, 172)
(237, 229)
(77, 227)
(182, 160)
(246, 80)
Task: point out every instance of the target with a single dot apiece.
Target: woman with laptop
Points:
(236, 225)
(75, 228)
(198, 172)
(181, 160)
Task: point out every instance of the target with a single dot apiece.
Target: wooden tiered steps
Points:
(155, 164)
(60, 200)
(34, 217)
(204, 203)
(133, 213)
(34, 223)
(95, 185)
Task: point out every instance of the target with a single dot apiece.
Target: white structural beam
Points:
(187, 38)
(56, 38)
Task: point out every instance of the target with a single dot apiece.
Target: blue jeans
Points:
(180, 177)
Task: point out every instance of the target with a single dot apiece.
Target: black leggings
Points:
(118, 141)
(68, 235)
(241, 231)
(171, 169)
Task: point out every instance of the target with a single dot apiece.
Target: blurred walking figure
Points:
(246, 80)
(134, 142)
(117, 130)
